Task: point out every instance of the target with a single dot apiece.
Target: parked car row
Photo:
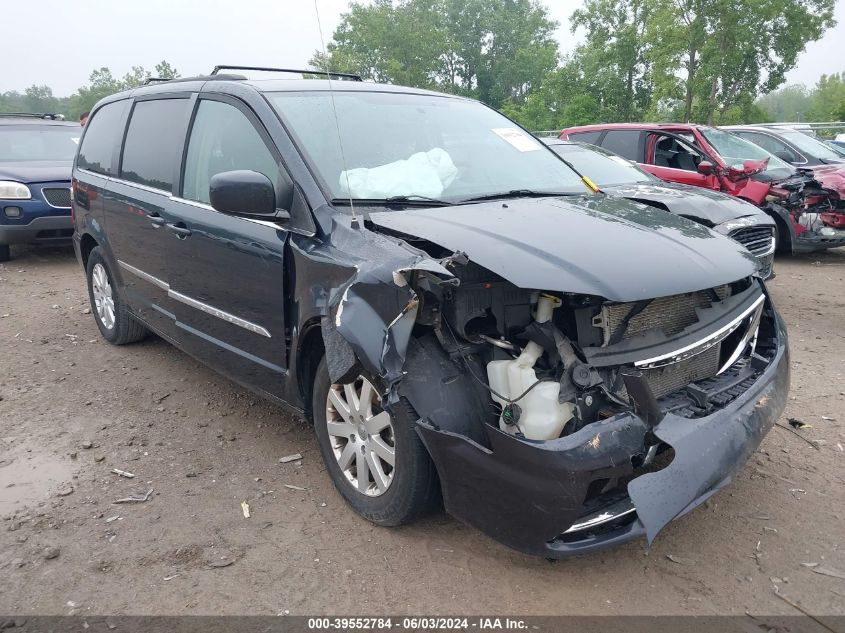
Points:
(807, 204)
(461, 312)
(617, 176)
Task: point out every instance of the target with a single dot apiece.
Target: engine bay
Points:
(556, 362)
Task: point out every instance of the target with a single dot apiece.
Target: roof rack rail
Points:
(323, 73)
(151, 80)
(35, 115)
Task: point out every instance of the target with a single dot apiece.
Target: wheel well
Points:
(310, 353)
(86, 245)
(784, 235)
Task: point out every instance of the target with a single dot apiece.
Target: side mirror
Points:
(706, 168)
(242, 192)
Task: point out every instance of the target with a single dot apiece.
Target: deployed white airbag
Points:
(423, 174)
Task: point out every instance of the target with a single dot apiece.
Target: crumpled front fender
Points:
(371, 314)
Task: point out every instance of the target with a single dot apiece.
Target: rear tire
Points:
(5, 253)
(413, 489)
(111, 315)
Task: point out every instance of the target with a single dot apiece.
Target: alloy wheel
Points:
(103, 299)
(361, 436)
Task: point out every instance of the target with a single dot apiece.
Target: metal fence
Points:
(827, 128)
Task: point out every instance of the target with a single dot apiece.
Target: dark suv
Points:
(447, 301)
(36, 155)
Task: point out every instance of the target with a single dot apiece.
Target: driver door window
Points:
(223, 139)
(675, 154)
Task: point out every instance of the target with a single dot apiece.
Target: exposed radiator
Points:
(665, 380)
(668, 314)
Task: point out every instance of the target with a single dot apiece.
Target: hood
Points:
(36, 170)
(702, 205)
(595, 245)
(831, 177)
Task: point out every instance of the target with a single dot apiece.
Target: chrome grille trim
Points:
(759, 240)
(703, 345)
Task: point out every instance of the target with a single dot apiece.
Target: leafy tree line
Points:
(823, 102)
(693, 60)
(715, 61)
(101, 83)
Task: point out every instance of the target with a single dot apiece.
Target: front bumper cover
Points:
(44, 229)
(812, 242)
(527, 494)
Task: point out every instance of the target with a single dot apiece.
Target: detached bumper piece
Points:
(810, 242)
(618, 478)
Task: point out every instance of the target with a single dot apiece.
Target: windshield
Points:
(809, 145)
(735, 150)
(21, 143)
(418, 145)
(602, 167)
(839, 149)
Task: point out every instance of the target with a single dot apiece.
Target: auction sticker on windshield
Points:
(520, 140)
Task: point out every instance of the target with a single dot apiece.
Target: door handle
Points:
(155, 219)
(179, 229)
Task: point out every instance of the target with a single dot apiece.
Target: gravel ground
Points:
(72, 408)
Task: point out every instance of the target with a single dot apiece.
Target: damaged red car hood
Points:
(594, 245)
(831, 177)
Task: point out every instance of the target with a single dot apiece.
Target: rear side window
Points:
(102, 135)
(770, 144)
(626, 143)
(223, 139)
(586, 137)
(153, 142)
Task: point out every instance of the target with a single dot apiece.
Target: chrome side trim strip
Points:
(194, 303)
(231, 348)
(137, 185)
(220, 314)
(193, 203)
(145, 276)
(693, 349)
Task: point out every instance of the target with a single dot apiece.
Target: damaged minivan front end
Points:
(569, 401)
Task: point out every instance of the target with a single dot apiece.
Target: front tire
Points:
(358, 441)
(113, 319)
(5, 252)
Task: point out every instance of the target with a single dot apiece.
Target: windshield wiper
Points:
(519, 193)
(408, 200)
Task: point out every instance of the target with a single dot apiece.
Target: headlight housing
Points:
(10, 190)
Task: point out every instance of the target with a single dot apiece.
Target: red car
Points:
(808, 205)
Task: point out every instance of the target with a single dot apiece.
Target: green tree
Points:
(616, 47)
(40, 99)
(828, 95)
(101, 83)
(790, 103)
(715, 54)
(163, 70)
(495, 50)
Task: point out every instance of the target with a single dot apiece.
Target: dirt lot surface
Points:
(72, 408)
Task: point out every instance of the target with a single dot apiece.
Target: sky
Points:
(69, 39)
